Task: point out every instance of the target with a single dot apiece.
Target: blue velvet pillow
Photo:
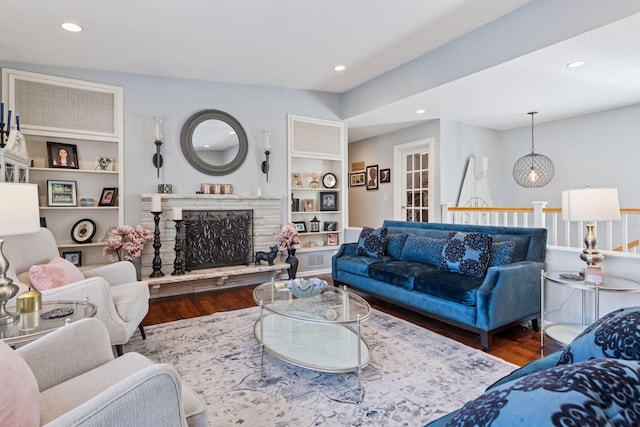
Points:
(616, 335)
(598, 392)
(466, 253)
(501, 253)
(371, 242)
(395, 243)
(422, 249)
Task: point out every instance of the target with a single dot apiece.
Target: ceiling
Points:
(295, 44)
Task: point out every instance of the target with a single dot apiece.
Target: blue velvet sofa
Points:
(594, 381)
(409, 272)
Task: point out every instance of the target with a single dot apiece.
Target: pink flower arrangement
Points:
(315, 176)
(126, 238)
(288, 236)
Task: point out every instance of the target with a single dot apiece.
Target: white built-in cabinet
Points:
(317, 146)
(88, 116)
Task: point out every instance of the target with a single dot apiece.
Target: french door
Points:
(413, 175)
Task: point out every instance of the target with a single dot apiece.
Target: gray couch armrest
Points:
(509, 293)
(68, 352)
(151, 397)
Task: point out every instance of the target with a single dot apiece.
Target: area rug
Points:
(413, 377)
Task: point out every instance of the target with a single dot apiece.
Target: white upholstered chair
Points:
(81, 383)
(121, 300)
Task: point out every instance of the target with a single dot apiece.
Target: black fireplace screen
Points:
(217, 238)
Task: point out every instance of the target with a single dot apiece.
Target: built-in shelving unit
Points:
(83, 114)
(317, 147)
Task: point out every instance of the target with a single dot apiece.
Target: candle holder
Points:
(157, 261)
(177, 263)
(4, 136)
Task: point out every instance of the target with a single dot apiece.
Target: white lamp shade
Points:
(591, 204)
(19, 213)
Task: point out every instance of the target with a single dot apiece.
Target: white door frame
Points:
(399, 175)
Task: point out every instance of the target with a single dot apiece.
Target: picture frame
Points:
(372, 177)
(328, 200)
(332, 239)
(61, 193)
(330, 226)
(104, 164)
(61, 155)
(385, 176)
(74, 257)
(296, 180)
(83, 231)
(356, 179)
(309, 205)
(109, 196)
(301, 226)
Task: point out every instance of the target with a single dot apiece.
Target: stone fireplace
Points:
(219, 218)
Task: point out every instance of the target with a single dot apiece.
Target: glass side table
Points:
(30, 326)
(564, 333)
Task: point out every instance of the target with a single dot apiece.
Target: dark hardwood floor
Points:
(517, 345)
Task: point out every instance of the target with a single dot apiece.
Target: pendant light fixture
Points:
(533, 170)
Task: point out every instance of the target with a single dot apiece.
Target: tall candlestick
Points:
(157, 244)
(156, 203)
(8, 122)
(177, 214)
(17, 122)
(177, 263)
(1, 112)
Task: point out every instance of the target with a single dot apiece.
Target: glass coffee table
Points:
(321, 332)
(31, 326)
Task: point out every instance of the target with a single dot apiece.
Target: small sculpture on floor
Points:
(267, 256)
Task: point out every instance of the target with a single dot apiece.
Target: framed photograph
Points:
(328, 200)
(83, 231)
(62, 155)
(103, 164)
(309, 205)
(296, 180)
(330, 226)
(332, 239)
(109, 197)
(62, 193)
(301, 226)
(356, 179)
(74, 257)
(372, 177)
(357, 166)
(385, 175)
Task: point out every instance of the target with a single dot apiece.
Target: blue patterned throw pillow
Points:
(395, 243)
(598, 392)
(501, 253)
(616, 335)
(422, 249)
(466, 253)
(371, 242)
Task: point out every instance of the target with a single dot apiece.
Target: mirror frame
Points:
(186, 136)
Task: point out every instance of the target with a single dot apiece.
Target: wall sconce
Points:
(159, 134)
(267, 151)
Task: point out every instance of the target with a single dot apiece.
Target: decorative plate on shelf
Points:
(83, 231)
(329, 180)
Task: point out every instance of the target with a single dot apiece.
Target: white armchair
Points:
(122, 301)
(81, 383)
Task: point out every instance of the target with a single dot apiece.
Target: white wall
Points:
(256, 108)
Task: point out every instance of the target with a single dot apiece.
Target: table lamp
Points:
(591, 204)
(19, 215)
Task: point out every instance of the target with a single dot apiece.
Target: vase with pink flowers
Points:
(288, 240)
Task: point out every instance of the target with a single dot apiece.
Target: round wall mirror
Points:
(214, 142)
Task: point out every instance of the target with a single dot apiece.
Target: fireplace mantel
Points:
(267, 219)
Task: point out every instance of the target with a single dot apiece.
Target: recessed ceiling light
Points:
(575, 64)
(340, 68)
(421, 111)
(70, 26)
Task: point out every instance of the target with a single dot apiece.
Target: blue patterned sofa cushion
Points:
(371, 242)
(422, 249)
(466, 253)
(395, 243)
(598, 392)
(616, 335)
(501, 253)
